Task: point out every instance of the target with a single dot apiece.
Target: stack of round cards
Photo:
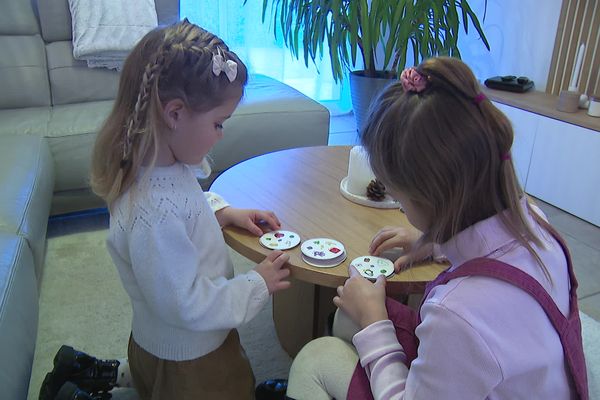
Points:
(323, 252)
(371, 267)
(280, 240)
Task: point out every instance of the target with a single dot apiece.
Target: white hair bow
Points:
(220, 65)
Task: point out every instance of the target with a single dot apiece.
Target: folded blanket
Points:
(105, 31)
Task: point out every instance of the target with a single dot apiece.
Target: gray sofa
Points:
(47, 93)
(27, 178)
(51, 107)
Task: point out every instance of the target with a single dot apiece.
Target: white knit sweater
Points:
(174, 264)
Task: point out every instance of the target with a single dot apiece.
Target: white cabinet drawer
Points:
(525, 127)
(565, 168)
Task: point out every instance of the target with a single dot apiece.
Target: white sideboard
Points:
(557, 162)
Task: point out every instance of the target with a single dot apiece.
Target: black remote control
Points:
(510, 83)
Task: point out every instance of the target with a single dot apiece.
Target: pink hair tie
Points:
(412, 80)
(505, 157)
(479, 98)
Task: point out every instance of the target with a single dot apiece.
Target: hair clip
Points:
(479, 98)
(505, 157)
(219, 64)
(412, 80)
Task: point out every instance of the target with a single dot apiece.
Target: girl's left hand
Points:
(248, 219)
(362, 300)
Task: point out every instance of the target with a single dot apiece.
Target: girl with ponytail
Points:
(502, 322)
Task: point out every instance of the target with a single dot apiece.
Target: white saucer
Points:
(334, 262)
(387, 202)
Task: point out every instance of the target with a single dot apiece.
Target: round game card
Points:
(280, 240)
(371, 267)
(322, 248)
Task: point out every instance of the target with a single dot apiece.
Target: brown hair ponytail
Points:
(448, 149)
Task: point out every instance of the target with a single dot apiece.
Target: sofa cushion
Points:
(25, 121)
(18, 316)
(71, 81)
(72, 129)
(275, 117)
(27, 179)
(24, 77)
(71, 136)
(17, 18)
(55, 17)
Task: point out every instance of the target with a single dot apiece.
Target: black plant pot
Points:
(364, 90)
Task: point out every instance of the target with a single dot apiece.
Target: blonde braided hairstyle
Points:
(173, 62)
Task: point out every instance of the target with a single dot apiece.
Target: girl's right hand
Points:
(363, 301)
(272, 271)
(391, 237)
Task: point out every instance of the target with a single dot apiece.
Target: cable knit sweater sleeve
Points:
(185, 286)
(215, 201)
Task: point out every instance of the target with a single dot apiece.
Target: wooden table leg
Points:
(300, 314)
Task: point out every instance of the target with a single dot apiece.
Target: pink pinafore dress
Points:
(405, 319)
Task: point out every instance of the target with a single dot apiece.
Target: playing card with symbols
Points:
(371, 267)
(280, 240)
(323, 252)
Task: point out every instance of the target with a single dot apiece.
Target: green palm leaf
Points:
(388, 28)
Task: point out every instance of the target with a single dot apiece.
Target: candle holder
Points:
(354, 186)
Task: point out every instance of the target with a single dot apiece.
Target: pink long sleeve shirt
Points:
(480, 338)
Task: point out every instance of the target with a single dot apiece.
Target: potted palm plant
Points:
(379, 34)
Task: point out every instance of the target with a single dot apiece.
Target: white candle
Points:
(359, 171)
(577, 68)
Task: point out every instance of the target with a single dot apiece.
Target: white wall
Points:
(521, 35)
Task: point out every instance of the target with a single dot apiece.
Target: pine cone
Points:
(376, 190)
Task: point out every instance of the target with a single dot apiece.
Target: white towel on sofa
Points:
(105, 31)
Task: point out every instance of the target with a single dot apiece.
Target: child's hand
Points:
(272, 271)
(362, 300)
(247, 219)
(391, 237)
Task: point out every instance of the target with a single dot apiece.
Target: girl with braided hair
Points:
(178, 86)
(502, 321)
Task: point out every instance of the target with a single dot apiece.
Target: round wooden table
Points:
(302, 187)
